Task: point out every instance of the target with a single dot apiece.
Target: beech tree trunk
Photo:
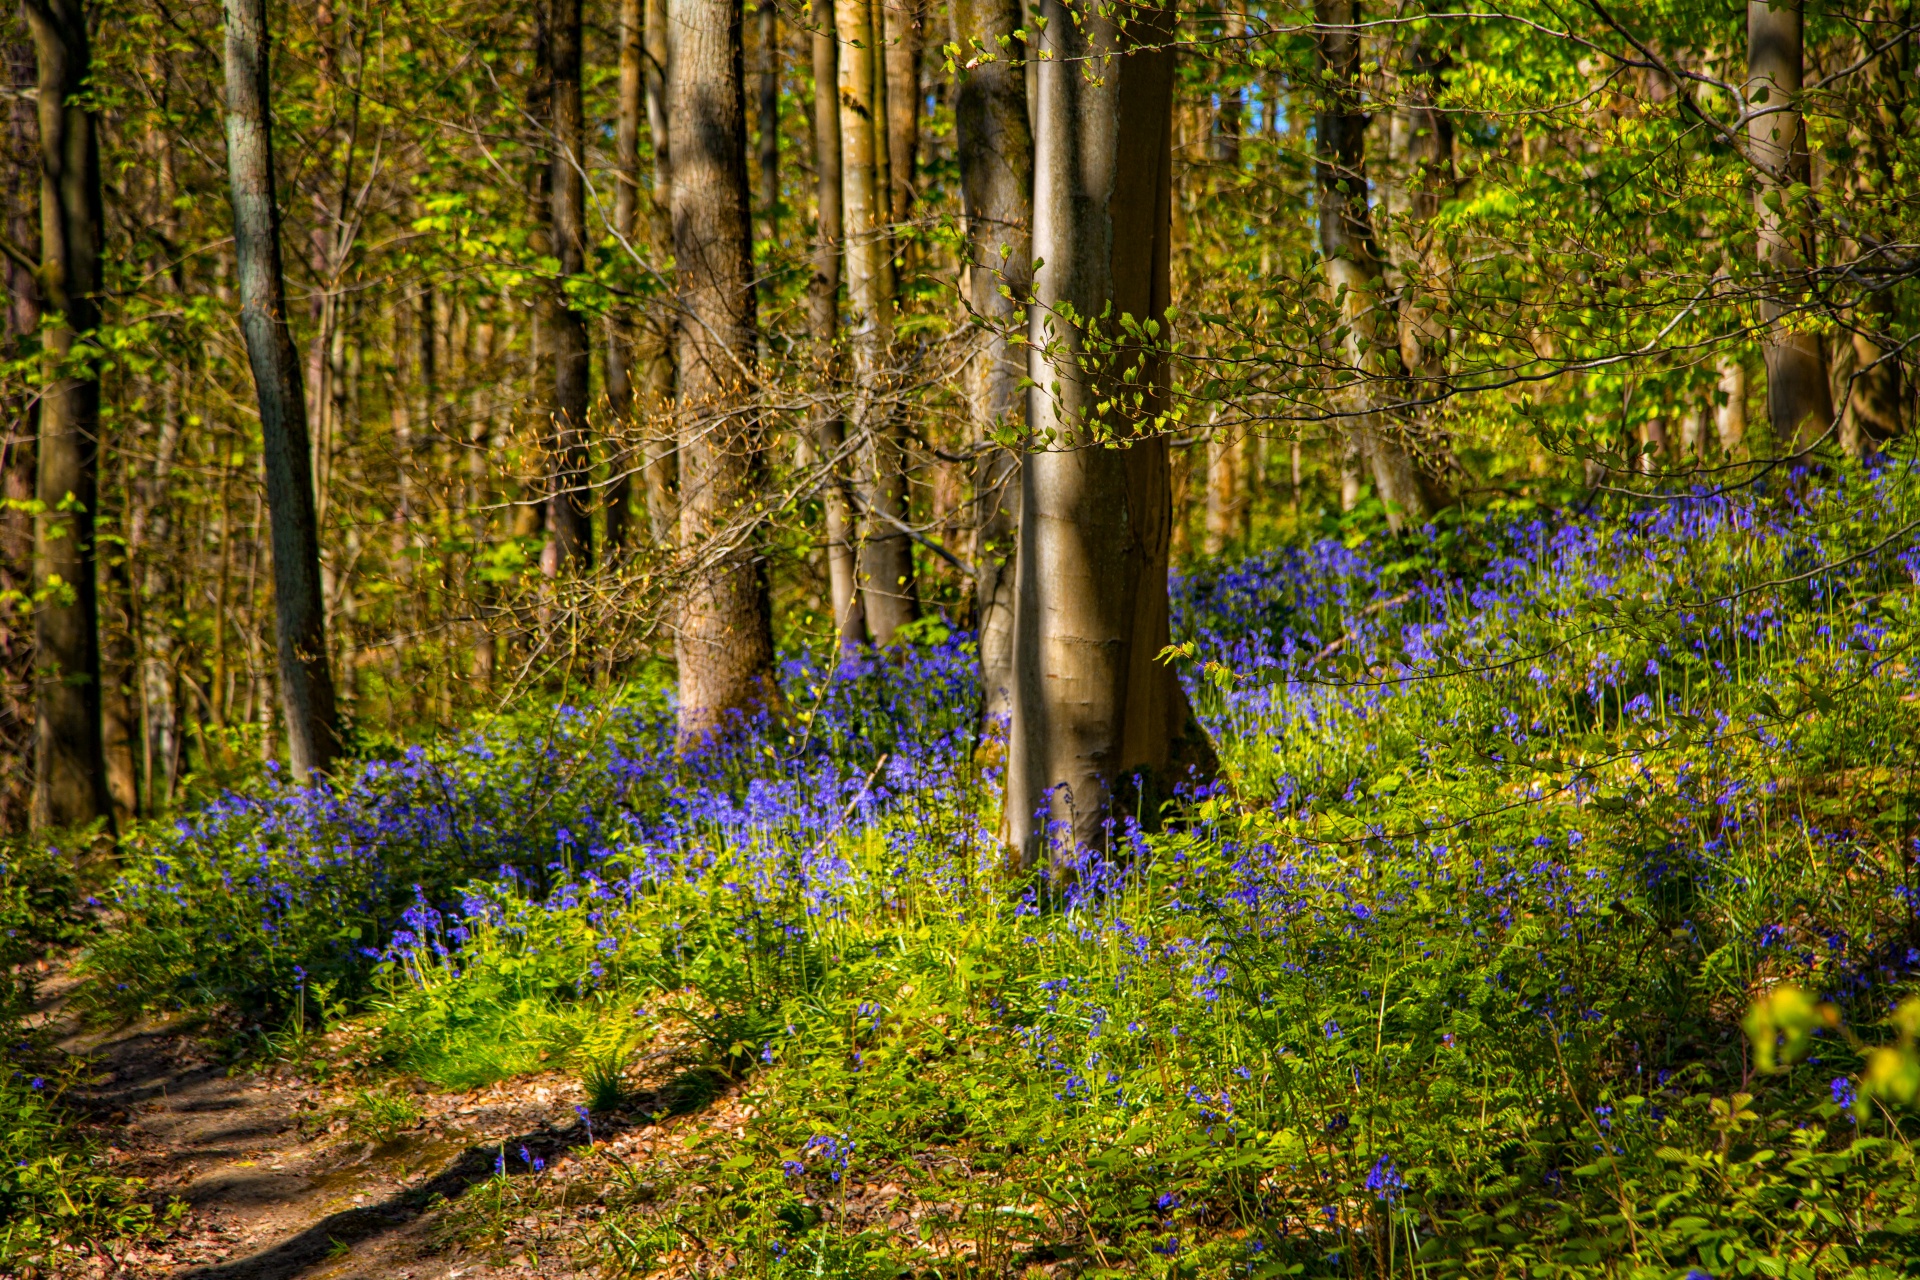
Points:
(1100, 726)
(1352, 258)
(1730, 411)
(995, 143)
(769, 117)
(70, 776)
(1431, 182)
(885, 560)
(306, 679)
(724, 644)
(569, 498)
(823, 315)
(1799, 402)
(623, 459)
(903, 35)
(1226, 490)
(17, 482)
(656, 354)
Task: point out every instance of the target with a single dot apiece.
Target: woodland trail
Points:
(276, 1188)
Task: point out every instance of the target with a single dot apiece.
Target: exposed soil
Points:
(276, 1187)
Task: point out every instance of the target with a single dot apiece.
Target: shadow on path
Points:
(349, 1227)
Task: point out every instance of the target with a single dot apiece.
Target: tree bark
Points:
(769, 118)
(17, 481)
(622, 459)
(70, 784)
(569, 513)
(306, 680)
(725, 640)
(902, 30)
(1730, 411)
(995, 144)
(885, 561)
(1093, 708)
(1431, 182)
(823, 315)
(1799, 404)
(656, 354)
(1352, 258)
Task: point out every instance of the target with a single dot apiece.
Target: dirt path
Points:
(274, 1190)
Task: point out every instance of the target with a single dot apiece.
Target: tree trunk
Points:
(656, 354)
(1730, 412)
(902, 31)
(1093, 708)
(1229, 117)
(1799, 406)
(23, 176)
(70, 783)
(995, 143)
(823, 314)
(1226, 486)
(1352, 257)
(569, 512)
(1431, 182)
(306, 681)
(1876, 404)
(622, 459)
(725, 639)
(769, 117)
(886, 554)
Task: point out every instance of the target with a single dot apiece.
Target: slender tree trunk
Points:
(1229, 117)
(1093, 708)
(725, 639)
(622, 460)
(70, 783)
(886, 554)
(306, 681)
(995, 142)
(823, 314)
(657, 353)
(902, 31)
(569, 511)
(1226, 486)
(769, 117)
(1352, 257)
(23, 176)
(1730, 412)
(1431, 182)
(1799, 405)
(1876, 405)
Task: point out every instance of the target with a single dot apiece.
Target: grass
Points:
(1554, 914)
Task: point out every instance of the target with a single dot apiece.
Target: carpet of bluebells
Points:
(1445, 974)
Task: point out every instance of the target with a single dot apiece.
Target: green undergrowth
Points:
(59, 1199)
(1454, 974)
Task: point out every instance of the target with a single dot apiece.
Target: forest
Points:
(960, 639)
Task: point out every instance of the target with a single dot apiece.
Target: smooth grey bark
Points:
(306, 678)
(1352, 257)
(569, 497)
(885, 558)
(1799, 402)
(1093, 708)
(994, 138)
(1431, 181)
(724, 643)
(823, 318)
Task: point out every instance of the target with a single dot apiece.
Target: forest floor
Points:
(276, 1184)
